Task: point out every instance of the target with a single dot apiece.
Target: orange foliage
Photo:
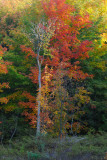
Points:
(3, 70)
(64, 45)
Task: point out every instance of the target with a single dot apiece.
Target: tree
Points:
(65, 41)
(59, 38)
(67, 47)
(59, 101)
(3, 85)
(10, 38)
(40, 35)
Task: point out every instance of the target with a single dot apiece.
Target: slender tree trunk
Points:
(41, 39)
(39, 81)
(39, 103)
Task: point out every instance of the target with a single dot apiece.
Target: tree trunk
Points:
(39, 103)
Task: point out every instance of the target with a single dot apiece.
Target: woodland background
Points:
(52, 69)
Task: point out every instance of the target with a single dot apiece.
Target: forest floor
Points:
(90, 147)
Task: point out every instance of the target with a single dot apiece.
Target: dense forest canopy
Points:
(52, 67)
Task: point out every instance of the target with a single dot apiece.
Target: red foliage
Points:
(28, 51)
(34, 74)
(30, 108)
(64, 44)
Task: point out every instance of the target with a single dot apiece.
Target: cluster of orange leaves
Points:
(3, 70)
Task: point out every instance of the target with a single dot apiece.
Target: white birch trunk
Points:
(39, 103)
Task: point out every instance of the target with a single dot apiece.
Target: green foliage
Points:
(16, 31)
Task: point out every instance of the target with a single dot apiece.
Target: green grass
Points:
(89, 147)
(96, 146)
